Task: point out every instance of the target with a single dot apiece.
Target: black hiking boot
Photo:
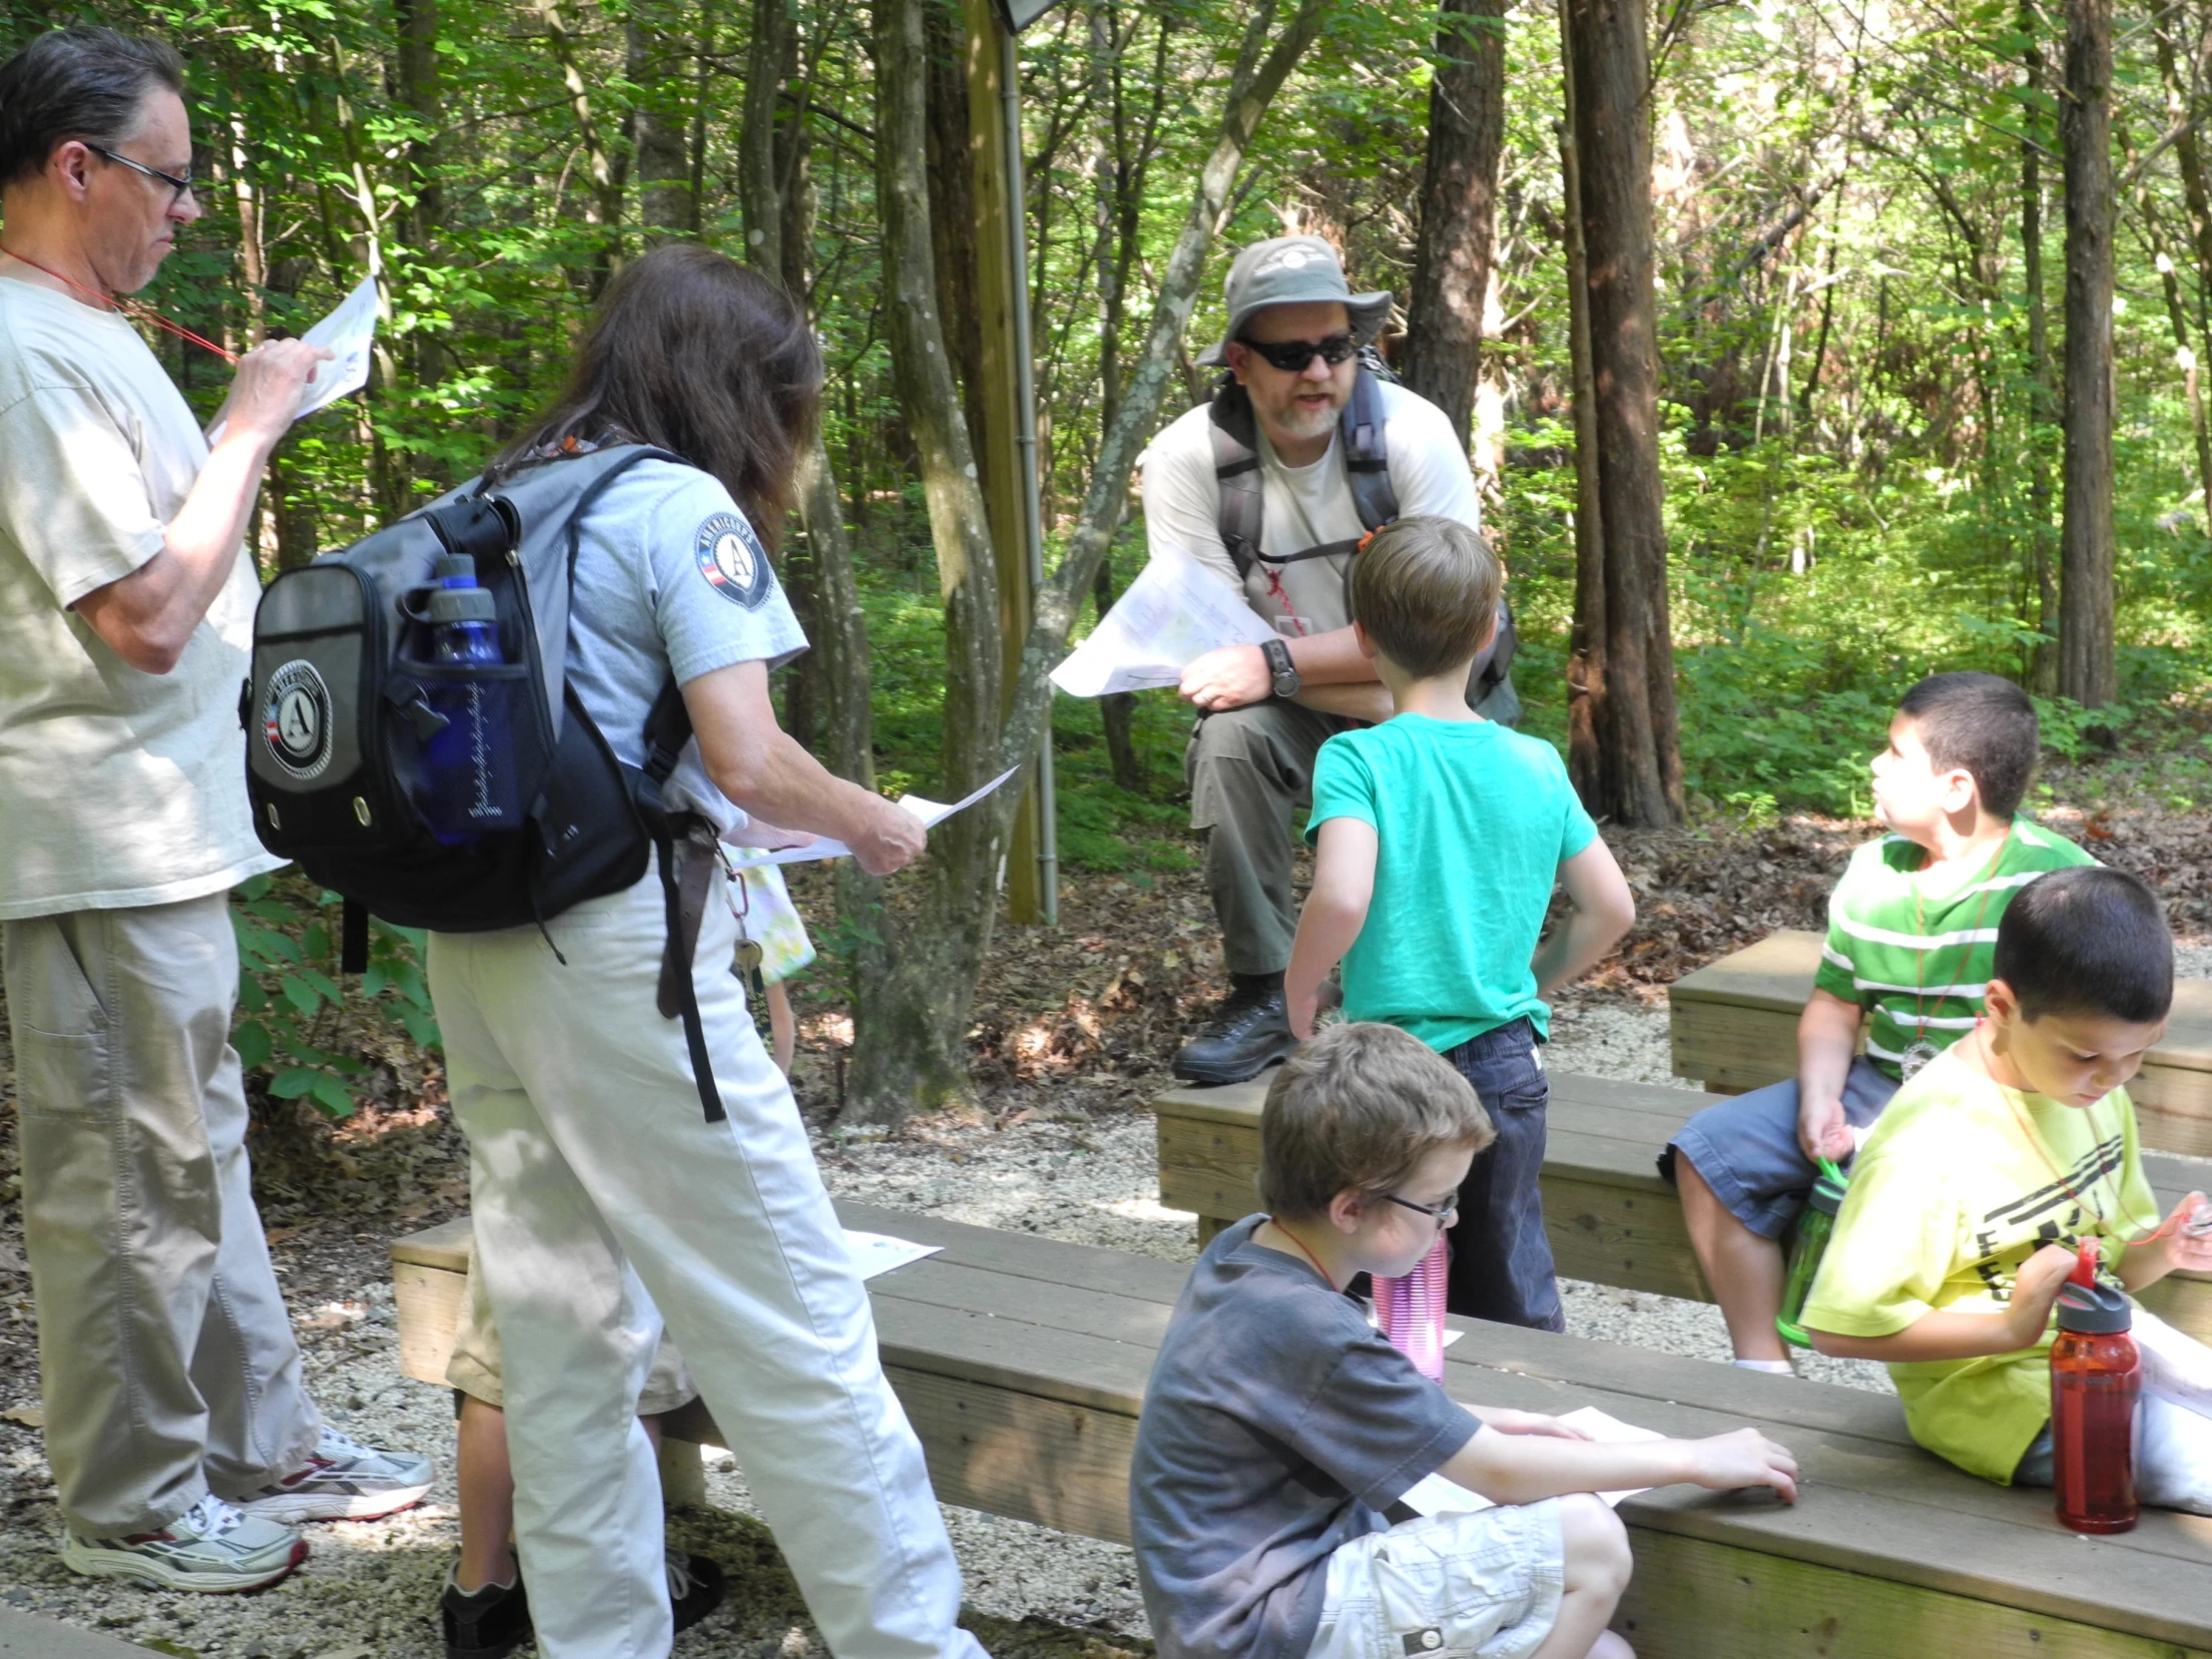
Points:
(1249, 1032)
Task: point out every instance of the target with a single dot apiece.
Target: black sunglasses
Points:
(179, 188)
(1442, 1215)
(1291, 356)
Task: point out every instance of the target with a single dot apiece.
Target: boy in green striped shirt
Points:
(1911, 931)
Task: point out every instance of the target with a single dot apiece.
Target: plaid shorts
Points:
(1485, 1585)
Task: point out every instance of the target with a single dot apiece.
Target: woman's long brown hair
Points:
(696, 354)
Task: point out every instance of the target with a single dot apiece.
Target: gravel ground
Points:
(370, 1589)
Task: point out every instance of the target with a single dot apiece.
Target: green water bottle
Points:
(1813, 1230)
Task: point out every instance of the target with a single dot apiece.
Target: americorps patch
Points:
(730, 558)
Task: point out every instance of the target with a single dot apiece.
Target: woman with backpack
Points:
(605, 1200)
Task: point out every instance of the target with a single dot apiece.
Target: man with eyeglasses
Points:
(1292, 352)
(182, 1444)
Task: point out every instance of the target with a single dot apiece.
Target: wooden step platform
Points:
(1612, 1221)
(1022, 1364)
(1733, 1026)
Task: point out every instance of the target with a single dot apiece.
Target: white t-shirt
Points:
(1304, 506)
(117, 788)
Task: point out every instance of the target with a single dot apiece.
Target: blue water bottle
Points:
(468, 762)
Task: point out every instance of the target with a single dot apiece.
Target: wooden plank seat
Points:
(1612, 1221)
(1733, 1026)
(1022, 1364)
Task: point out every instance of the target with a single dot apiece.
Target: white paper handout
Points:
(1434, 1495)
(875, 1252)
(347, 333)
(932, 813)
(1175, 612)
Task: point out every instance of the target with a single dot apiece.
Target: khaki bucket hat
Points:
(1289, 271)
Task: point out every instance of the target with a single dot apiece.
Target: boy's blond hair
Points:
(1357, 1109)
(1426, 590)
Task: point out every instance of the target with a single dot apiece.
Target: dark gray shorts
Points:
(1747, 1148)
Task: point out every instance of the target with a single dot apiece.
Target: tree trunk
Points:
(2085, 662)
(1586, 641)
(417, 78)
(2042, 405)
(912, 1012)
(662, 163)
(603, 202)
(772, 55)
(2189, 159)
(907, 1053)
(952, 210)
(1458, 209)
(1640, 759)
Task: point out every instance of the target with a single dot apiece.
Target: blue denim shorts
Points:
(1747, 1148)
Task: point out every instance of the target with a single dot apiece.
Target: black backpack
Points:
(339, 717)
(1360, 430)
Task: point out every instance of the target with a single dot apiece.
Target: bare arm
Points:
(756, 765)
(1524, 1467)
(1827, 1038)
(1604, 909)
(1235, 675)
(2172, 1246)
(1336, 909)
(1950, 1335)
(147, 617)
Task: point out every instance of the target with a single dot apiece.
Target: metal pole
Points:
(1025, 445)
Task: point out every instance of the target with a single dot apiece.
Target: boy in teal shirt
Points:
(1439, 835)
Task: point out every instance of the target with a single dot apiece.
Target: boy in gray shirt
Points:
(1279, 1425)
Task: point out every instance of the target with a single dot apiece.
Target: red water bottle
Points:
(2097, 1379)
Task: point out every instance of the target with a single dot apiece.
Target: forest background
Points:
(1858, 262)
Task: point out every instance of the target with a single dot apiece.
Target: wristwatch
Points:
(1287, 682)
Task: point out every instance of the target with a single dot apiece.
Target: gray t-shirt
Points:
(117, 788)
(670, 579)
(1277, 1426)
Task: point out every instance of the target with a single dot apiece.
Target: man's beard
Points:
(1299, 423)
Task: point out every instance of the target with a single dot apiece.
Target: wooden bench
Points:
(1022, 1364)
(1612, 1221)
(1733, 1026)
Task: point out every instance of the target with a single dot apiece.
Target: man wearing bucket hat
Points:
(1271, 484)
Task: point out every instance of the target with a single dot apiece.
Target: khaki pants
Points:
(167, 1358)
(1250, 770)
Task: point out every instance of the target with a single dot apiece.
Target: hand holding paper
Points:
(1175, 612)
(929, 813)
(345, 336)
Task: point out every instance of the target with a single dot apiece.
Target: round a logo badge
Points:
(732, 561)
(295, 718)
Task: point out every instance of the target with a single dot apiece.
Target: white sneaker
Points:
(211, 1547)
(343, 1480)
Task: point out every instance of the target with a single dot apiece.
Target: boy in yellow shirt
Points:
(1973, 1192)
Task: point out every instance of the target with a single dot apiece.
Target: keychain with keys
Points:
(746, 961)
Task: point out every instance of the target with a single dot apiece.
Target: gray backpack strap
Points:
(1237, 474)
(550, 500)
(1366, 455)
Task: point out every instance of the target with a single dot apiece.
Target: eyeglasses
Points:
(179, 188)
(1291, 356)
(1442, 1215)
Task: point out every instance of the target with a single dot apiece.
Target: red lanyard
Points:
(144, 314)
(1300, 1242)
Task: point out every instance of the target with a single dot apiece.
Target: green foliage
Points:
(293, 1010)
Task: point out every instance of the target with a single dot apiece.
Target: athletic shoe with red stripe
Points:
(210, 1549)
(343, 1480)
